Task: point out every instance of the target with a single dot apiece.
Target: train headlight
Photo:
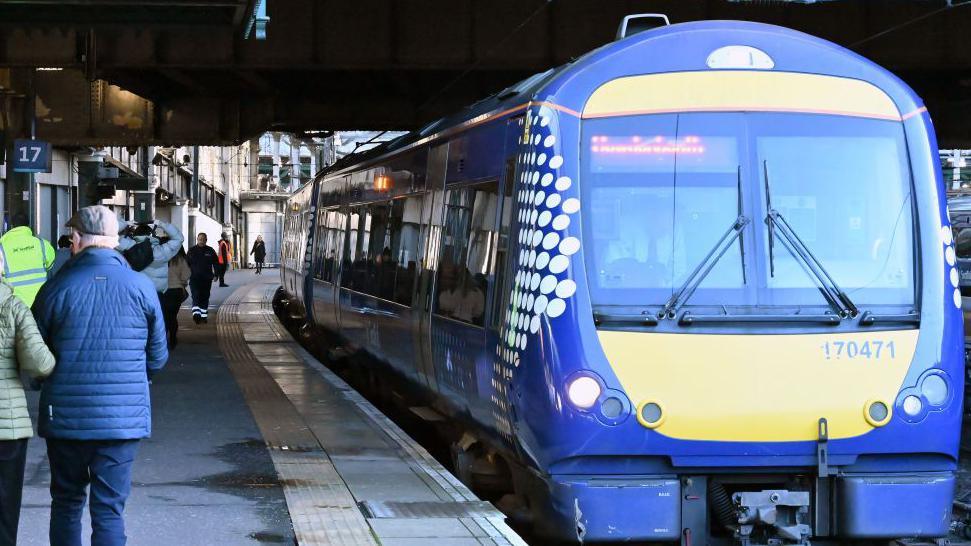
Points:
(650, 414)
(935, 390)
(912, 405)
(584, 391)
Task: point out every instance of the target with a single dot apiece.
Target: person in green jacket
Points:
(27, 259)
(22, 349)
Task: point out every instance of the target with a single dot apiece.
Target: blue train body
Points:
(520, 263)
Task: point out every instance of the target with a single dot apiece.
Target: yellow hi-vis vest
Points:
(26, 260)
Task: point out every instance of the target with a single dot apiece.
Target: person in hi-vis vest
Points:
(225, 257)
(26, 261)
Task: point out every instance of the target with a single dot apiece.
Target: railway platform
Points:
(256, 442)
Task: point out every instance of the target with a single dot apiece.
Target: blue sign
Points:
(31, 156)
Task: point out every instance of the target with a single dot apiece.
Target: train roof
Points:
(660, 50)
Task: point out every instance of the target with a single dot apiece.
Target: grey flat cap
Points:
(95, 220)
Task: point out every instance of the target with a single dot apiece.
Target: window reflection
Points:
(469, 235)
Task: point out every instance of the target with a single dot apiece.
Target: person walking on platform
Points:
(225, 258)
(259, 253)
(204, 264)
(62, 254)
(179, 274)
(26, 259)
(22, 349)
(104, 325)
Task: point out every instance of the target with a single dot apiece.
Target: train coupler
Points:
(772, 517)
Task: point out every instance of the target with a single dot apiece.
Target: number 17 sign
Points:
(31, 156)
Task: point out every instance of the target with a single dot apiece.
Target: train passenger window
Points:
(499, 295)
(466, 253)
(430, 240)
(403, 230)
(378, 271)
(320, 233)
(357, 233)
(334, 246)
(330, 227)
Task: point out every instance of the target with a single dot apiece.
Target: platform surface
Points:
(255, 442)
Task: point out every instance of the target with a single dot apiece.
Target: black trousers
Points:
(13, 458)
(200, 289)
(171, 300)
(221, 273)
(259, 265)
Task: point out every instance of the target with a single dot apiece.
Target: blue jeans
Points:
(106, 466)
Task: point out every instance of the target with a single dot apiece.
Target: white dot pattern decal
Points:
(541, 289)
(949, 260)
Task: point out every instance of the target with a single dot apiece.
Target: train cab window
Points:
(466, 261)
(844, 186)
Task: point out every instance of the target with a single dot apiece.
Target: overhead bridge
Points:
(140, 72)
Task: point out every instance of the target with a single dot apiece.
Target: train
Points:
(697, 286)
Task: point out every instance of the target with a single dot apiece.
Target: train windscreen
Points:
(660, 191)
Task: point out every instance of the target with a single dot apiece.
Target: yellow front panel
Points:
(738, 91)
(759, 388)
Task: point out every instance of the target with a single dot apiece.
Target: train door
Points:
(458, 310)
(354, 322)
(431, 233)
(394, 285)
(329, 239)
(494, 386)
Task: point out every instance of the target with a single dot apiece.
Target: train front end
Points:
(736, 316)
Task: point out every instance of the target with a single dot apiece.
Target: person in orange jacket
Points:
(225, 256)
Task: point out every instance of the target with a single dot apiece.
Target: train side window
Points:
(320, 236)
(500, 296)
(466, 254)
(356, 233)
(334, 245)
(403, 229)
(378, 274)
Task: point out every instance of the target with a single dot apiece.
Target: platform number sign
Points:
(31, 156)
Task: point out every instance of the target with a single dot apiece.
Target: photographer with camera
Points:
(134, 243)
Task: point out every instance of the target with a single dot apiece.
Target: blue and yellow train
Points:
(698, 285)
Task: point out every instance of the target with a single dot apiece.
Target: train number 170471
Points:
(859, 349)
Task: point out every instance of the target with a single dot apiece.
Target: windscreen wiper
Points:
(835, 295)
(690, 284)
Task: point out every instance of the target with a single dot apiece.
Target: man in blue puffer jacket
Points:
(105, 327)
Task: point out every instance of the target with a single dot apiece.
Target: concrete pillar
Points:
(958, 162)
(275, 150)
(194, 191)
(294, 163)
(180, 219)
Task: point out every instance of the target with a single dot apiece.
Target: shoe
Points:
(197, 319)
(224, 285)
(205, 320)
